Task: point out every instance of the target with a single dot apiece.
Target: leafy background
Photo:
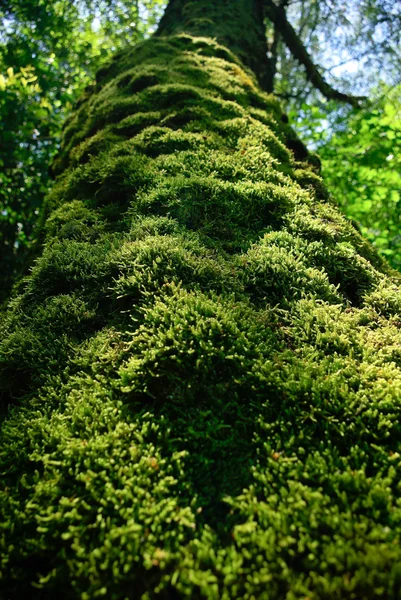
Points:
(49, 52)
(361, 163)
(357, 46)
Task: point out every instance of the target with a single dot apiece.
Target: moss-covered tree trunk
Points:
(202, 371)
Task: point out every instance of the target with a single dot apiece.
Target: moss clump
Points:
(202, 370)
(145, 266)
(278, 270)
(229, 213)
(74, 220)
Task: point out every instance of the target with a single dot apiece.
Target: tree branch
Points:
(278, 16)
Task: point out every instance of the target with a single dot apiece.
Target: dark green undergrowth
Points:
(200, 378)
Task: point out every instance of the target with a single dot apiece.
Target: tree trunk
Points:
(203, 366)
(238, 26)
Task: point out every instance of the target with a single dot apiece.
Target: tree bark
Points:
(238, 26)
(202, 369)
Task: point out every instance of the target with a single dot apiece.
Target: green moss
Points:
(38, 340)
(227, 212)
(150, 264)
(307, 178)
(134, 124)
(74, 220)
(385, 299)
(277, 272)
(103, 141)
(114, 176)
(162, 140)
(202, 369)
(150, 84)
(70, 264)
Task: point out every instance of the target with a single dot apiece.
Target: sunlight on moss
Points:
(203, 367)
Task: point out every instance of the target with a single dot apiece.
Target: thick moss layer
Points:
(203, 368)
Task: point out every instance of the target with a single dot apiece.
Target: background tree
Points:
(201, 374)
(354, 44)
(357, 48)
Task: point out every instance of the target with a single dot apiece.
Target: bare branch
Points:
(278, 16)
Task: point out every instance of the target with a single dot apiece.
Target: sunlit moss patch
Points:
(200, 377)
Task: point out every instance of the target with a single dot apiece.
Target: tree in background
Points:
(355, 44)
(357, 47)
(202, 370)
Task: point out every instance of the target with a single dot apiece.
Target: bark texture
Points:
(237, 25)
(203, 366)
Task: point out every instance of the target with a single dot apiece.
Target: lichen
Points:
(203, 366)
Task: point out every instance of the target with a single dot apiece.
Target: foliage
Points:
(49, 51)
(361, 160)
(203, 364)
(21, 186)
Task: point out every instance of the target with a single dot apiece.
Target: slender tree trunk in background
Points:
(202, 370)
